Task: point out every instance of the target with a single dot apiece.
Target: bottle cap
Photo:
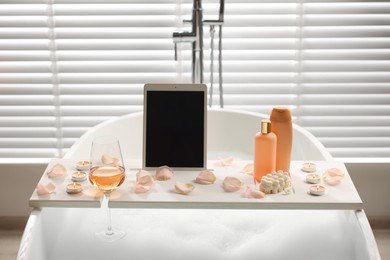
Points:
(265, 126)
(280, 114)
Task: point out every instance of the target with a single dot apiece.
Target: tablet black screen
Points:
(175, 129)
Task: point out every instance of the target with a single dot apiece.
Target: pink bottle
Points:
(282, 128)
(265, 151)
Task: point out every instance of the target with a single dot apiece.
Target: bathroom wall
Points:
(372, 180)
(17, 183)
(19, 180)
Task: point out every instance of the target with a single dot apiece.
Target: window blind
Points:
(67, 65)
(345, 76)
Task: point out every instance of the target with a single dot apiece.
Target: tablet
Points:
(175, 126)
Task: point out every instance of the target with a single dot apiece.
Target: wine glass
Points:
(107, 173)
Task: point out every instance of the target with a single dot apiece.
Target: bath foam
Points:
(204, 234)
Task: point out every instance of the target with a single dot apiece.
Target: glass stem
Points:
(106, 198)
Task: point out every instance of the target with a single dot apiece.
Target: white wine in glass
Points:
(107, 173)
(107, 178)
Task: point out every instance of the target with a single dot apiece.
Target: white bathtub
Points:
(68, 233)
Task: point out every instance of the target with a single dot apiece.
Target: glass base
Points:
(110, 235)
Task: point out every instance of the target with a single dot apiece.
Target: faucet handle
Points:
(175, 47)
(176, 38)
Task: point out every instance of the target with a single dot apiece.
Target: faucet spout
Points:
(182, 36)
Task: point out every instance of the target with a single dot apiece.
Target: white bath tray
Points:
(162, 195)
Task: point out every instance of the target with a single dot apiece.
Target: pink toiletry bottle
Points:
(282, 128)
(265, 151)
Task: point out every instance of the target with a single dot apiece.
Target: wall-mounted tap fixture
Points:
(195, 36)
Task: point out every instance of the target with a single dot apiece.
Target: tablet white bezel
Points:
(175, 87)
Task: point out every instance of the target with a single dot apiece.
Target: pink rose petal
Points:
(336, 180)
(109, 160)
(164, 173)
(58, 170)
(144, 182)
(231, 184)
(333, 176)
(248, 169)
(253, 194)
(141, 188)
(206, 177)
(225, 162)
(45, 189)
(335, 172)
(144, 178)
(184, 188)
